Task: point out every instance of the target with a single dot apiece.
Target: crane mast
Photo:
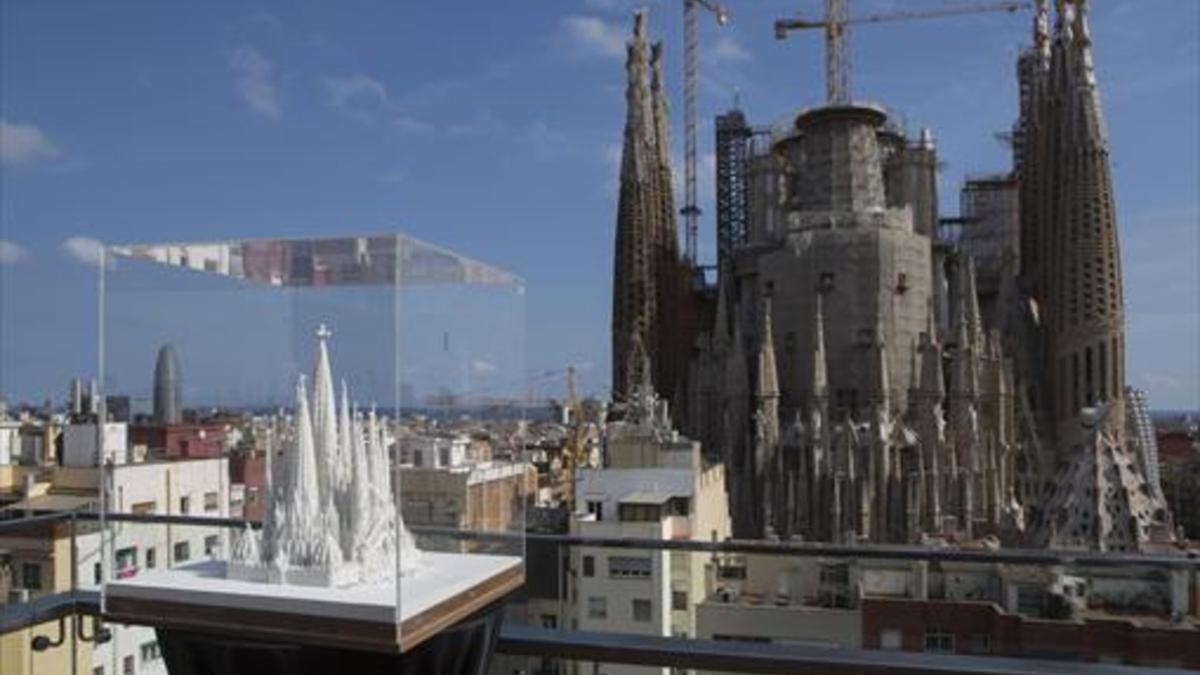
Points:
(837, 53)
(836, 26)
(691, 40)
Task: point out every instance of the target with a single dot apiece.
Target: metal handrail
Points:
(649, 650)
(1014, 556)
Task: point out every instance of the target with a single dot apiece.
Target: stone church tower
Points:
(1097, 495)
(649, 281)
(1070, 257)
(832, 407)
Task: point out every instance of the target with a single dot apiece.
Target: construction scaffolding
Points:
(733, 199)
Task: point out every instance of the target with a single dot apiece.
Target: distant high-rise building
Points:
(90, 404)
(76, 396)
(168, 407)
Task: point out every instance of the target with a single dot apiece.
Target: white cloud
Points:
(612, 155)
(266, 20)
(592, 36)
(365, 98)
(612, 5)
(357, 93)
(548, 144)
(12, 253)
(483, 124)
(412, 124)
(25, 145)
(612, 160)
(481, 367)
(254, 80)
(1162, 381)
(84, 249)
(727, 49)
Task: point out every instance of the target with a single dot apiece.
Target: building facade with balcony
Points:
(646, 592)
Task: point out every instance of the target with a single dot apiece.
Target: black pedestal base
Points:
(463, 649)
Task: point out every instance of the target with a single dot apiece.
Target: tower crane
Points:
(691, 38)
(836, 26)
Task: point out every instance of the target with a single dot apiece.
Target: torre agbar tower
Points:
(1070, 256)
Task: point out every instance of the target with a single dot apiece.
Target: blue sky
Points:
(493, 128)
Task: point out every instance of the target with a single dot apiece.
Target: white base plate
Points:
(440, 576)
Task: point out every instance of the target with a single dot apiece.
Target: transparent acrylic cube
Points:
(348, 415)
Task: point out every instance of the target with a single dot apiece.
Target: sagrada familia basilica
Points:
(843, 366)
(330, 517)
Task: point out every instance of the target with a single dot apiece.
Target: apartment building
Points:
(38, 559)
(1110, 614)
(647, 592)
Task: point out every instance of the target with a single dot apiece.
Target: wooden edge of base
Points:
(450, 611)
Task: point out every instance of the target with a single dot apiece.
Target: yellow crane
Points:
(836, 26)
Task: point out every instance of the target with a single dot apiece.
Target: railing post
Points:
(1180, 584)
(74, 532)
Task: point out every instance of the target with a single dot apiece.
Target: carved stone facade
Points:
(1071, 264)
(848, 377)
(844, 413)
(649, 278)
(1101, 490)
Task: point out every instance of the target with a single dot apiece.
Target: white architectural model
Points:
(329, 517)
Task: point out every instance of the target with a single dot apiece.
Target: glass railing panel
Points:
(311, 385)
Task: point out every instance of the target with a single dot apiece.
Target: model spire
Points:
(324, 412)
(330, 520)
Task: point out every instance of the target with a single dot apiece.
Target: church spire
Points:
(767, 384)
(649, 292)
(963, 381)
(882, 383)
(635, 289)
(1064, 27)
(820, 375)
(1041, 30)
(661, 114)
(768, 378)
(969, 297)
(932, 382)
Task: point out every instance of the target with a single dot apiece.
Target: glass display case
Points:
(317, 440)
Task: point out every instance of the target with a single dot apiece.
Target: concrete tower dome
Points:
(168, 407)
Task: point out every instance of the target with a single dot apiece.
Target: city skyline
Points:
(294, 127)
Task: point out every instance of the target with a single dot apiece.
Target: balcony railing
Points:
(566, 645)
